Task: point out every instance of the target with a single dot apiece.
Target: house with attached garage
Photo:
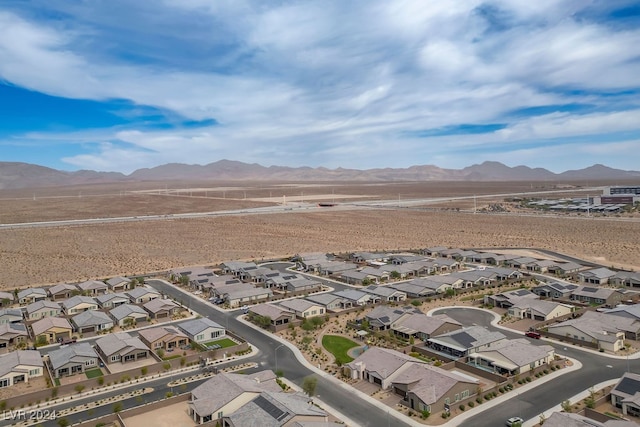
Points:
(167, 338)
(378, 274)
(513, 357)
(121, 347)
(503, 273)
(564, 268)
(119, 284)
(568, 419)
(434, 251)
(41, 309)
(449, 280)
(161, 308)
(541, 310)
(277, 315)
(237, 268)
(356, 298)
(332, 268)
(6, 299)
(629, 279)
(354, 277)
(382, 317)
(29, 295)
(244, 293)
(509, 298)
(260, 275)
(78, 304)
(385, 293)
(302, 285)
(73, 359)
(415, 288)
(555, 290)
(112, 300)
(607, 297)
(596, 329)
(445, 264)
(423, 327)
(92, 321)
(10, 315)
(12, 334)
(52, 329)
(596, 276)
(93, 288)
(202, 330)
(329, 301)
(128, 315)
(303, 308)
(462, 342)
(20, 366)
(142, 294)
(62, 291)
(625, 395)
(472, 278)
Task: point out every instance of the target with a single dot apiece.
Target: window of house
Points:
(457, 396)
(4, 382)
(115, 358)
(200, 337)
(465, 393)
(447, 401)
(34, 372)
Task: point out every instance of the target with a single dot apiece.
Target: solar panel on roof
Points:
(522, 292)
(590, 289)
(628, 386)
(465, 339)
(385, 319)
(270, 408)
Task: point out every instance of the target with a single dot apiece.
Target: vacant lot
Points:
(51, 255)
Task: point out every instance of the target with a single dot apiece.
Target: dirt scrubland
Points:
(51, 255)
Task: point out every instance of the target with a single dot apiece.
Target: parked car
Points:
(515, 422)
(532, 334)
(69, 341)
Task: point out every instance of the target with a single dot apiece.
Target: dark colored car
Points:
(533, 334)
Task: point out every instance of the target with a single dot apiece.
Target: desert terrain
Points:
(39, 256)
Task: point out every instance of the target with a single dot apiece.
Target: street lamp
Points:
(276, 353)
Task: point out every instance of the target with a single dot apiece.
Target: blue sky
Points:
(121, 85)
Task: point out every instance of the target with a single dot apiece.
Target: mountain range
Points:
(24, 175)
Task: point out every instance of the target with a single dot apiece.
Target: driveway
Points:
(168, 416)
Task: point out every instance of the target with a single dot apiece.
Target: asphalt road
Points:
(530, 404)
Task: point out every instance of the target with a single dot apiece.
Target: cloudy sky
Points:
(117, 85)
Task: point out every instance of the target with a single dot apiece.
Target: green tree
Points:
(566, 405)
(309, 385)
(41, 340)
(394, 275)
(262, 321)
(79, 388)
(160, 353)
(63, 422)
(117, 407)
(366, 281)
(144, 370)
(166, 366)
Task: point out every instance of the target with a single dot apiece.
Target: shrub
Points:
(461, 407)
(479, 399)
(100, 380)
(79, 388)
(471, 404)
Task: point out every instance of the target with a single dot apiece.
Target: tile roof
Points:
(154, 334)
(125, 310)
(47, 323)
(160, 304)
(381, 361)
(29, 291)
(69, 353)
(195, 326)
(429, 383)
(77, 300)
(91, 318)
(519, 351)
(121, 343)
(10, 361)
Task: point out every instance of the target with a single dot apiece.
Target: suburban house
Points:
(329, 301)
(462, 342)
(6, 299)
(629, 279)
(29, 295)
(431, 287)
(626, 394)
(414, 289)
(434, 251)
(202, 330)
(540, 266)
(164, 337)
(564, 268)
(72, 359)
(78, 304)
(19, 367)
(503, 273)
(596, 276)
(509, 298)
(237, 268)
(355, 298)
(596, 328)
(472, 278)
(528, 308)
(112, 300)
(10, 315)
(237, 295)
(301, 284)
(12, 334)
(53, 329)
(208, 284)
(277, 315)
(445, 264)
(119, 284)
(382, 317)
(378, 274)
(303, 308)
(386, 294)
(513, 357)
(128, 315)
(92, 321)
(568, 419)
(40, 309)
(366, 257)
(433, 389)
(121, 347)
(161, 308)
(554, 290)
(62, 291)
(423, 327)
(93, 288)
(608, 297)
(251, 400)
(630, 311)
(379, 366)
(142, 294)
(260, 275)
(354, 277)
(333, 268)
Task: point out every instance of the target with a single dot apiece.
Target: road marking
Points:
(609, 366)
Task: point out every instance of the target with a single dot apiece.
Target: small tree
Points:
(416, 303)
(79, 388)
(309, 385)
(566, 405)
(117, 407)
(160, 353)
(183, 361)
(394, 275)
(63, 422)
(144, 370)
(41, 340)
(166, 366)
(100, 380)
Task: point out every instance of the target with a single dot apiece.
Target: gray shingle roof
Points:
(154, 334)
(27, 292)
(91, 318)
(160, 304)
(10, 361)
(195, 326)
(122, 311)
(62, 356)
(519, 351)
(47, 323)
(121, 343)
(92, 285)
(77, 300)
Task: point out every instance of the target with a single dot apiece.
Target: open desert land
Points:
(35, 256)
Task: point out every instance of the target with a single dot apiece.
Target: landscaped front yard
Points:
(94, 373)
(223, 343)
(339, 347)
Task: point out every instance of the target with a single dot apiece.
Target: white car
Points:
(515, 421)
